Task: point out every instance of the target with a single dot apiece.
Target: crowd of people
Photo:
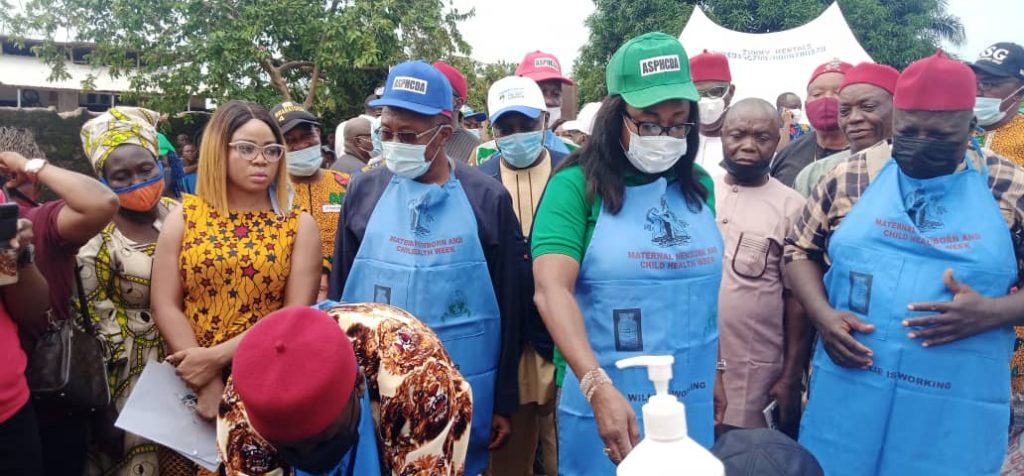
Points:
(435, 290)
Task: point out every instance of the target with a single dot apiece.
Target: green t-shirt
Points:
(565, 222)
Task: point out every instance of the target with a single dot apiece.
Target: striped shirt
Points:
(839, 190)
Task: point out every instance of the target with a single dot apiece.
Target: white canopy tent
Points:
(765, 65)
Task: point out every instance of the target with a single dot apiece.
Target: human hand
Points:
(787, 392)
(963, 317)
(197, 366)
(23, 236)
(501, 427)
(787, 118)
(721, 402)
(12, 166)
(616, 422)
(209, 400)
(836, 330)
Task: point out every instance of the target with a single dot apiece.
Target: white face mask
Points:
(796, 113)
(711, 109)
(654, 154)
(305, 162)
(407, 160)
(988, 110)
(554, 114)
(474, 132)
(522, 149)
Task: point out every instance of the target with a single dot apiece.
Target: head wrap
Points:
(878, 75)
(116, 127)
(710, 67)
(833, 66)
(294, 371)
(936, 83)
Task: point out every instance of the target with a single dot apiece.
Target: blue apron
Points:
(648, 284)
(421, 252)
(365, 459)
(935, 411)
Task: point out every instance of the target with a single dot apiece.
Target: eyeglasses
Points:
(248, 150)
(648, 129)
(715, 92)
(405, 137)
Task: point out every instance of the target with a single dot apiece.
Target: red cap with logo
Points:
(540, 66)
(879, 75)
(455, 77)
(294, 371)
(833, 66)
(710, 67)
(936, 83)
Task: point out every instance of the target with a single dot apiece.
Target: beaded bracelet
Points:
(592, 380)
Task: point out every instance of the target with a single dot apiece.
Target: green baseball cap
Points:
(649, 69)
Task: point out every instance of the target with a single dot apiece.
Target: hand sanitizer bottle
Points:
(666, 450)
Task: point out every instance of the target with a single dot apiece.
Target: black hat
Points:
(288, 115)
(764, 452)
(1005, 60)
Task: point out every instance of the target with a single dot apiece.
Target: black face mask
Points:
(926, 158)
(326, 455)
(745, 172)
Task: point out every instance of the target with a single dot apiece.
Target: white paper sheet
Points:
(160, 408)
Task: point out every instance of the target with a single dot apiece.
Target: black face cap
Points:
(1005, 60)
(288, 115)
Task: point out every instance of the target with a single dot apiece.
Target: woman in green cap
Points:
(628, 259)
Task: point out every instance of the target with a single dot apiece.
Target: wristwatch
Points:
(33, 167)
(27, 256)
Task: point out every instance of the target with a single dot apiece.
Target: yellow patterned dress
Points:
(323, 200)
(234, 267)
(116, 279)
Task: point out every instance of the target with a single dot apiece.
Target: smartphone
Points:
(8, 223)
(771, 415)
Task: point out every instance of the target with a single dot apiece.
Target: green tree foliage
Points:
(327, 54)
(894, 32)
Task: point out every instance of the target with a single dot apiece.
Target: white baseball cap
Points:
(586, 117)
(515, 94)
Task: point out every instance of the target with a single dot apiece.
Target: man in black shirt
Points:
(823, 113)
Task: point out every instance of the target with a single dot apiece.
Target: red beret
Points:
(710, 67)
(457, 80)
(833, 66)
(936, 83)
(294, 371)
(880, 75)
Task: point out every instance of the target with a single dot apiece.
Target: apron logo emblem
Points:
(381, 294)
(666, 229)
(418, 218)
(628, 330)
(457, 306)
(925, 215)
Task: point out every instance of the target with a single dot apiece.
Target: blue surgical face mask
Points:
(408, 160)
(522, 149)
(305, 162)
(989, 110)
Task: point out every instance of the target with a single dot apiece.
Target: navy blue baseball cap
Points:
(418, 87)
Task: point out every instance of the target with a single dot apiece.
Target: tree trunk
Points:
(313, 82)
(276, 79)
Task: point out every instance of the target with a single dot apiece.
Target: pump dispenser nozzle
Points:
(659, 369)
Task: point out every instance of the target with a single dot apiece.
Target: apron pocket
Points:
(861, 282)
